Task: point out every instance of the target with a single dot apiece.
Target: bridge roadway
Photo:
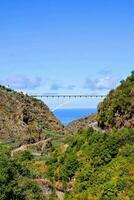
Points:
(70, 96)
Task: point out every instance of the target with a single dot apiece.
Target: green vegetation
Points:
(24, 118)
(75, 125)
(117, 109)
(91, 164)
(16, 180)
(95, 165)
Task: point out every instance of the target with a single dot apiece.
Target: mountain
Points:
(84, 122)
(117, 109)
(92, 164)
(25, 118)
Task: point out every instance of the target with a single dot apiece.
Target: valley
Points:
(89, 159)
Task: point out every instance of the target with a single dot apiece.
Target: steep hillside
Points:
(84, 122)
(117, 109)
(24, 117)
(89, 166)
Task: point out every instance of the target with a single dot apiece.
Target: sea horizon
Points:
(67, 115)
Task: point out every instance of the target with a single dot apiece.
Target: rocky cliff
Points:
(24, 117)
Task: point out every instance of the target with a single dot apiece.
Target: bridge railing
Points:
(69, 96)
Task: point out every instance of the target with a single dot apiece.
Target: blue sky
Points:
(66, 47)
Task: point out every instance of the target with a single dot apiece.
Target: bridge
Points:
(69, 96)
(61, 103)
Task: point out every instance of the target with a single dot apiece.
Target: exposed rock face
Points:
(46, 187)
(85, 122)
(117, 109)
(24, 117)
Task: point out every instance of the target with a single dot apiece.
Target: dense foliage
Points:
(94, 165)
(117, 109)
(91, 165)
(16, 180)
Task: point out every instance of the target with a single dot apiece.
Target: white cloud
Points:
(56, 86)
(101, 83)
(70, 87)
(22, 82)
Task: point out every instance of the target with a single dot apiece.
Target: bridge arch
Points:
(56, 102)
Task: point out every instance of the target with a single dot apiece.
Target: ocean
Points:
(68, 115)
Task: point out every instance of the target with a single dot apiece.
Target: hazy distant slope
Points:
(24, 116)
(117, 109)
(84, 122)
